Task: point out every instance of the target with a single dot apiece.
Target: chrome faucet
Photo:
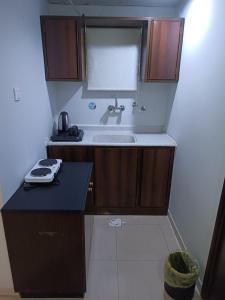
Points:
(116, 108)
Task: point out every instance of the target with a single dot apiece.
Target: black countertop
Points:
(69, 195)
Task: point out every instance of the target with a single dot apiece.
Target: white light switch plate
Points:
(17, 94)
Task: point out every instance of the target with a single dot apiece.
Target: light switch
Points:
(17, 94)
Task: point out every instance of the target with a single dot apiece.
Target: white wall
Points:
(74, 97)
(112, 11)
(24, 125)
(197, 123)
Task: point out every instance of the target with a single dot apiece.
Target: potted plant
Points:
(180, 274)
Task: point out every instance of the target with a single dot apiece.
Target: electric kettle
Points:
(63, 122)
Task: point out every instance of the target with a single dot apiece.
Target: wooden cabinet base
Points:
(47, 253)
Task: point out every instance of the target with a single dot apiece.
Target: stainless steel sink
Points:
(113, 138)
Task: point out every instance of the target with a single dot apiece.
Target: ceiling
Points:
(117, 2)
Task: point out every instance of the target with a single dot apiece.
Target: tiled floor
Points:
(127, 262)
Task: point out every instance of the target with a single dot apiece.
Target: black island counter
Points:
(48, 235)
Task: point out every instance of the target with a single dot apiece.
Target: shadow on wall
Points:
(156, 98)
(58, 99)
(87, 94)
(61, 93)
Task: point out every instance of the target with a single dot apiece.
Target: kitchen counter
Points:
(141, 139)
(69, 194)
(49, 236)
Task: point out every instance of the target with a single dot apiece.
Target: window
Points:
(113, 58)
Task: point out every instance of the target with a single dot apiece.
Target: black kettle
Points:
(63, 122)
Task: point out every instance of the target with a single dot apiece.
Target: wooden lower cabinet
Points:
(115, 177)
(156, 177)
(125, 180)
(47, 252)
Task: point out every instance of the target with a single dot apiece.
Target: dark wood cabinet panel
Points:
(164, 41)
(156, 177)
(70, 153)
(115, 177)
(46, 252)
(62, 46)
(125, 180)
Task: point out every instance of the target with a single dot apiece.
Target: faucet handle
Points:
(122, 107)
(143, 108)
(111, 108)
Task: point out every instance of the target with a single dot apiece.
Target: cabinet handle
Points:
(49, 233)
(90, 189)
(91, 183)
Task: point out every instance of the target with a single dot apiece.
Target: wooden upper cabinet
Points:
(164, 43)
(62, 47)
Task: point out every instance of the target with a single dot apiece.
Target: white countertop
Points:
(141, 139)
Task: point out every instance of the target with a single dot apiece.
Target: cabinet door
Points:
(60, 45)
(47, 253)
(165, 43)
(156, 177)
(115, 177)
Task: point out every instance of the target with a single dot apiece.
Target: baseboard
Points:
(182, 245)
(176, 231)
(8, 293)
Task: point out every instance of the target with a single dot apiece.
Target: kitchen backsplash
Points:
(156, 98)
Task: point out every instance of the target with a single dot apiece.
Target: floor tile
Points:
(141, 242)
(103, 243)
(142, 280)
(133, 219)
(102, 220)
(102, 283)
